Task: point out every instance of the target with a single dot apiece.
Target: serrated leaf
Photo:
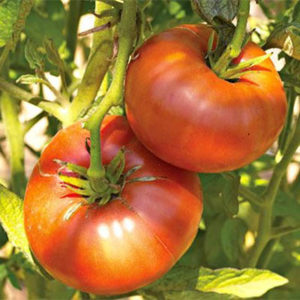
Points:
(9, 10)
(232, 237)
(34, 57)
(12, 220)
(210, 9)
(287, 38)
(245, 283)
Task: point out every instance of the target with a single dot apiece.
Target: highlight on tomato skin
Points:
(125, 244)
(189, 117)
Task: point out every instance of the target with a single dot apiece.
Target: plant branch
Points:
(127, 34)
(14, 134)
(252, 197)
(98, 64)
(281, 231)
(264, 233)
(50, 107)
(234, 47)
(29, 124)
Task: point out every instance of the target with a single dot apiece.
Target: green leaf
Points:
(214, 253)
(232, 238)
(211, 9)
(24, 11)
(13, 280)
(34, 55)
(12, 219)
(286, 206)
(54, 58)
(230, 194)
(47, 20)
(220, 194)
(9, 10)
(3, 236)
(245, 283)
(287, 38)
(213, 185)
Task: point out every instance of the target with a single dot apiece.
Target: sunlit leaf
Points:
(287, 38)
(245, 283)
(12, 219)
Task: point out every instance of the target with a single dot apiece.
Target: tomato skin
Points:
(125, 244)
(187, 116)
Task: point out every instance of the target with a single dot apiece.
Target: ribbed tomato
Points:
(127, 243)
(188, 116)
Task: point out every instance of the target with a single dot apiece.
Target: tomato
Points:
(188, 116)
(128, 242)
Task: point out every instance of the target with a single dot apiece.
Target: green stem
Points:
(98, 64)
(281, 231)
(50, 107)
(283, 139)
(15, 138)
(264, 233)
(113, 97)
(234, 47)
(250, 196)
(29, 124)
(72, 26)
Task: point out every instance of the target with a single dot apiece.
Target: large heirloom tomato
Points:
(125, 244)
(188, 116)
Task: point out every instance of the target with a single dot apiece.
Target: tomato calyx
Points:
(75, 178)
(234, 71)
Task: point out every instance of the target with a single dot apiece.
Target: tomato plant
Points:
(124, 244)
(188, 116)
(87, 88)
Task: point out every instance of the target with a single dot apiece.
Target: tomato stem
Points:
(14, 133)
(264, 234)
(98, 63)
(50, 107)
(113, 97)
(235, 46)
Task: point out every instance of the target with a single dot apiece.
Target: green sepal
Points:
(116, 167)
(242, 68)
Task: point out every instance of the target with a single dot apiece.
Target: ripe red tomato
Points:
(125, 244)
(188, 116)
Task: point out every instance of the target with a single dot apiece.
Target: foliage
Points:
(36, 39)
